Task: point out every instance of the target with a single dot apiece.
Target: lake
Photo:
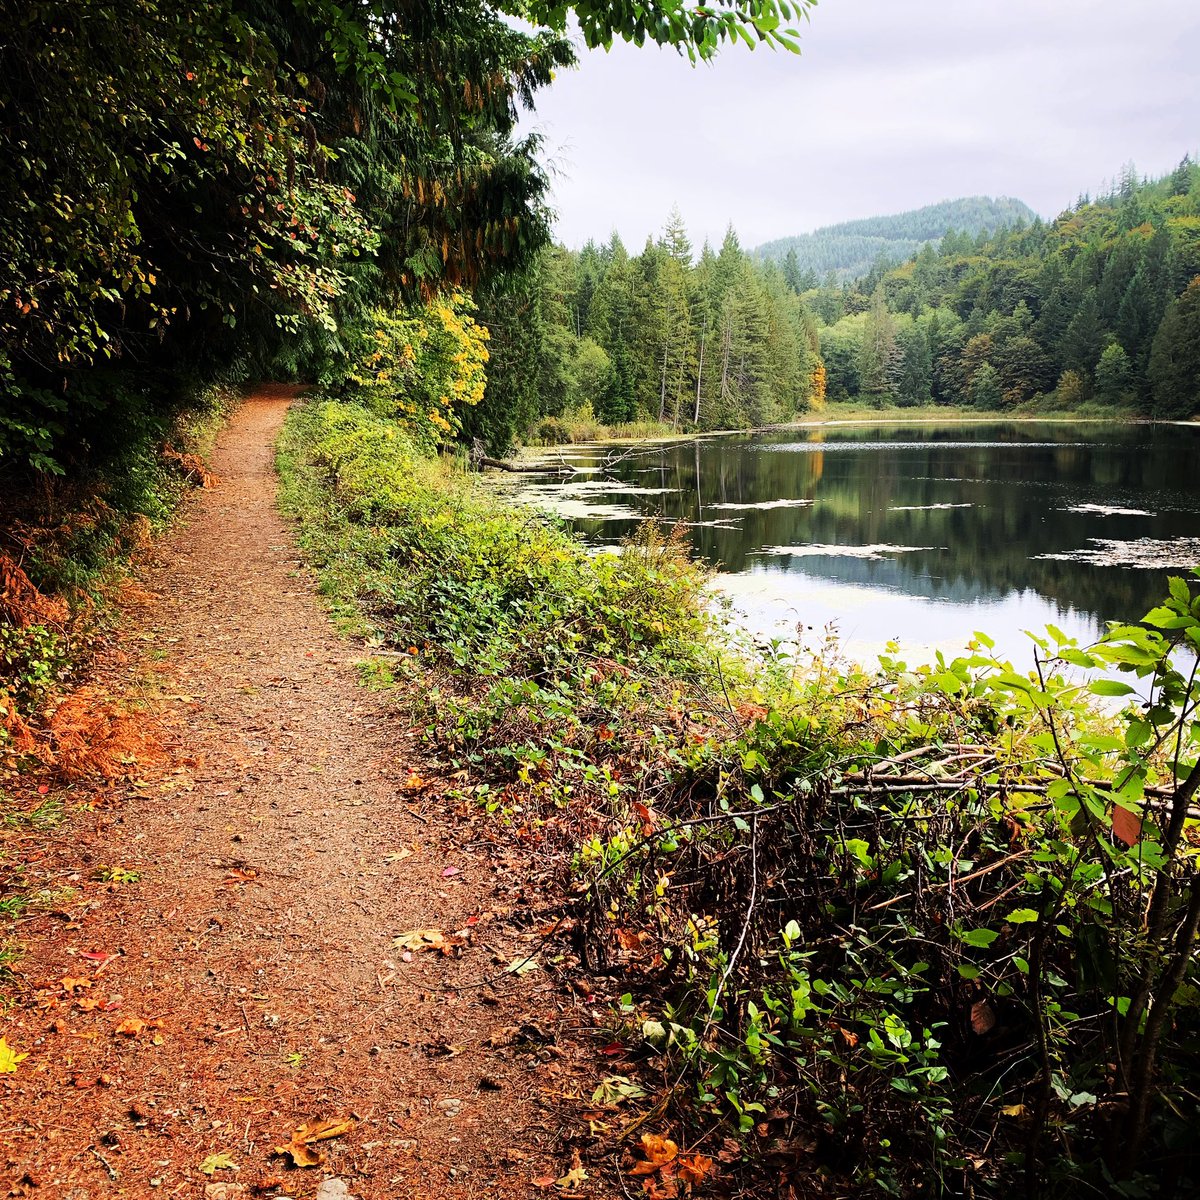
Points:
(921, 533)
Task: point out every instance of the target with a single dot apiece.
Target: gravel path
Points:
(279, 855)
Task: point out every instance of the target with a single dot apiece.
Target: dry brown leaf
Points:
(420, 939)
(983, 1019)
(300, 1149)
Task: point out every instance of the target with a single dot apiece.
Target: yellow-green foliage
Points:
(419, 365)
(496, 588)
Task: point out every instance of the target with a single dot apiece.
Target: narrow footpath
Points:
(219, 964)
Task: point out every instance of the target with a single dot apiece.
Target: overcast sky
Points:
(893, 104)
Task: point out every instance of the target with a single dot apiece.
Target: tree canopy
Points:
(234, 181)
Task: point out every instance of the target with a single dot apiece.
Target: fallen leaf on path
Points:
(237, 875)
(658, 1151)
(420, 939)
(450, 872)
(225, 1191)
(100, 958)
(9, 1058)
(300, 1149)
(575, 1176)
(398, 855)
(70, 984)
(218, 1162)
(694, 1168)
(521, 966)
(130, 1027)
(616, 1089)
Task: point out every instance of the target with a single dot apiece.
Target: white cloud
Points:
(892, 105)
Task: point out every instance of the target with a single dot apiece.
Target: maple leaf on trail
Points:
(572, 1179)
(300, 1148)
(420, 939)
(575, 1176)
(9, 1058)
(694, 1168)
(658, 1151)
(616, 1089)
(218, 1162)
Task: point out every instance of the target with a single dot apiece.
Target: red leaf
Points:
(1126, 826)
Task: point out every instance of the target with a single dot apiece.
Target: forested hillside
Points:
(851, 248)
(1101, 304)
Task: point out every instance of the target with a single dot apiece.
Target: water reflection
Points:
(923, 533)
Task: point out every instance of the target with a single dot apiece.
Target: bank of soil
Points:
(218, 965)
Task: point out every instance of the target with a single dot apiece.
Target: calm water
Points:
(918, 533)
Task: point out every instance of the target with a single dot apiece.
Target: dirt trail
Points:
(273, 878)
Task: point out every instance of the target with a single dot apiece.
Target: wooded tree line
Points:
(694, 340)
(1101, 304)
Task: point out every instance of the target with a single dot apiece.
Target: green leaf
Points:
(1138, 733)
(218, 1162)
(1180, 591)
(1109, 687)
(1022, 916)
(982, 938)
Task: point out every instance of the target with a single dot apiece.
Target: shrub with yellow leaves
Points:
(418, 365)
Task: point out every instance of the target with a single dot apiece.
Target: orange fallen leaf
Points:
(130, 1027)
(300, 1150)
(658, 1151)
(693, 1168)
(70, 984)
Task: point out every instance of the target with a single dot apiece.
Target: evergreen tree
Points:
(1084, 337)
(1175, 357)
(985, 390)
(915, 382)
(1114, 375)
(879, 356)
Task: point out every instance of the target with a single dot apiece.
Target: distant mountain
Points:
(852, 248)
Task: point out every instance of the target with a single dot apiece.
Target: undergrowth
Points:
(65, 544)
(898, 931)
